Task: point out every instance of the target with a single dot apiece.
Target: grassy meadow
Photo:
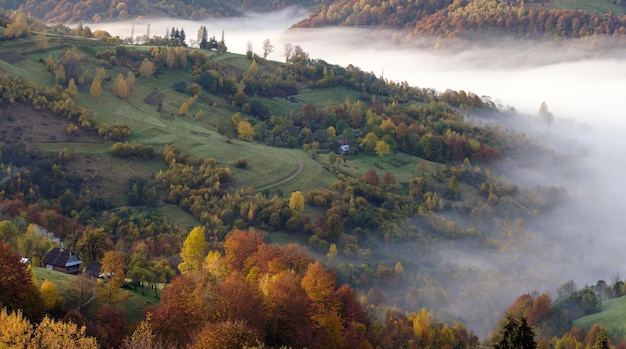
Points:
(69, 287)
(612, 317)
(269, 168)
(599, 6)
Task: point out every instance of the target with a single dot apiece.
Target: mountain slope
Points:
(469, 18)
(73, 11)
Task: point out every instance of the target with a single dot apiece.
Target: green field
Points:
(598, 6)
(268, 167)
(612, 317)
(69, 288)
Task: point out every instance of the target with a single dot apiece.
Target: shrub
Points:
(241, 163)
(180, 86)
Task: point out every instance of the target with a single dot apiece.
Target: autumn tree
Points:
(184, 107)
(184, 309)
(111, 326)
(18, 28)
(113, 271)
(193, 252)
(226, 334)
(17, 332)
(92, 244)
(143, 337)
(49, 294)
(296, 201)
(96, 88)
(240, 300)
(71, 89)
(370, 141)
(147, 68)
(17, 290)
(382, 148)
(267, 47)
(121, 88)
(286, 322)
(100, 74)
(130, 80)
(371, 178)
(245, 131)
(240, 245)
(42, 41)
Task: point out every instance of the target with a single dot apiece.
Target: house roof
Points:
(61, 257)
(93, 268)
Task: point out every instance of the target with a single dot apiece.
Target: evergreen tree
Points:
(515, 334)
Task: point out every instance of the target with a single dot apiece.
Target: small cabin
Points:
(63, 260)
(94, 270)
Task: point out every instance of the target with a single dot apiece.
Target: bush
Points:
(180, 86)
(241, 163)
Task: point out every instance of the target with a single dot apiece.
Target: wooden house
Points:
(62, 260)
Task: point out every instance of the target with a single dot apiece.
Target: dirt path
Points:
(87, 302)
(291, 176)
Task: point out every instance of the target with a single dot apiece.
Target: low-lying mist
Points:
(582, 83)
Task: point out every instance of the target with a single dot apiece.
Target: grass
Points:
(176, 214)
(269, 168)
(612, 317)
(68, 286)
(402, 166)
(598, 6)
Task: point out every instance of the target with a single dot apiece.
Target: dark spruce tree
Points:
(515, 334)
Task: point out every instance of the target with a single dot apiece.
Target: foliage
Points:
(515, 333)
(296, 201)
(193, 252)
(113, 270)
(17, 290)
(17, 332)
(469, 18)
(49, 294)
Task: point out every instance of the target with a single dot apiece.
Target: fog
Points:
(582, 83)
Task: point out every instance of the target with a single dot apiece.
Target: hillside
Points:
(610, 317)
(477, 18)
(126, 148)
(74, 11)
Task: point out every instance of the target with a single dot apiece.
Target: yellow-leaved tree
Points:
(245, 131)
(17, 332)
(113, 270)
(96, 88)
(49, 294)
(72, 89)
(382, 148)
(121, 88)
(296, 201)
(193, 252)
(147, 68)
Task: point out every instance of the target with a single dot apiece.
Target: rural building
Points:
(94, 270)
(62, 260)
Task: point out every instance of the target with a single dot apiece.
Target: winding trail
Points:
(292, 175)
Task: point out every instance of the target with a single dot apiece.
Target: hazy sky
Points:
(581, 81)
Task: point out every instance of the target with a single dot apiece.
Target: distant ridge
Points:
(74, 11)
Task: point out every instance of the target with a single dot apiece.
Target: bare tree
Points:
(267, 47)
(249, 48)
(287, 51)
